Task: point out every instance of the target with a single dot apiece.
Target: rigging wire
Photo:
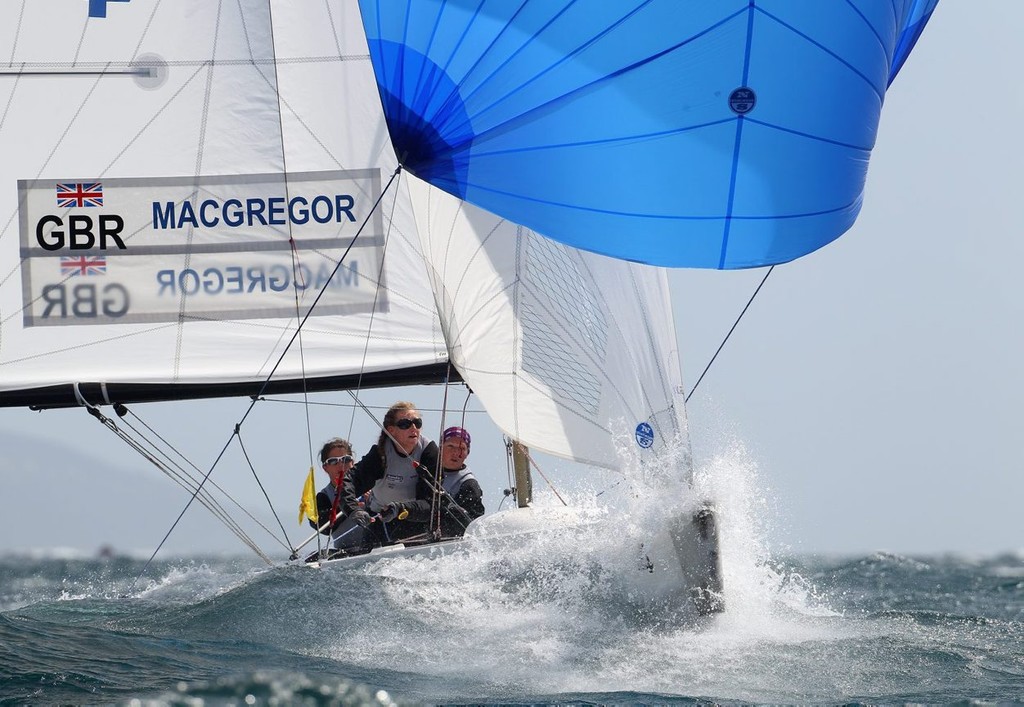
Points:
(325, 403)
(509, 477)
(534, 464)
(465, 405)
(296, 276)
(259, 483)
(193, 481)
(435, 497)
(708, 367)
(733, 328)
(376, 295)
(180, 477)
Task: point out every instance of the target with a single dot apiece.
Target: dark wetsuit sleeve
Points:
(428, 460)
(360, 479)
(469, 498)
(323, 512)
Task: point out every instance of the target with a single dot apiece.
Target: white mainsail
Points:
(260, 119)
(179, 182)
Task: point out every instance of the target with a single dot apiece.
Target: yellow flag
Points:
(307, 507)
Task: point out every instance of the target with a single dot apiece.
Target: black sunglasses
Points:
(409, 422)
(331, 461)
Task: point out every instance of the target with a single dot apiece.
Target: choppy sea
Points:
(880, 628)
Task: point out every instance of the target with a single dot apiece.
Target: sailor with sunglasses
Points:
(380, 493)
(336, 457)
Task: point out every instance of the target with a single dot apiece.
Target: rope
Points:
(435, 497)
(543, 476)
(373, 309)
(220, 512)
(687, 399)
(211, 504)
(241, 445)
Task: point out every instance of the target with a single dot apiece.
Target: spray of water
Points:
(561, 611)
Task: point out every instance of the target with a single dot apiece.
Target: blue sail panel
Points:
(722, 134)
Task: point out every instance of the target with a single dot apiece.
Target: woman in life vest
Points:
(380, 493)
(336, 458)
(462, 497)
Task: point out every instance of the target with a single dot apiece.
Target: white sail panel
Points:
(199, 248)
(570, 352)
(209, 137)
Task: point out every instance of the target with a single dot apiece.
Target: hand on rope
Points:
(456, 510)
(393, 511)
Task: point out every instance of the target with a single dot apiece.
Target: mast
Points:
(521, 469)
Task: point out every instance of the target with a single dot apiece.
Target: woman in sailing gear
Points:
(336, 458)
(389, 471)
(462, 500)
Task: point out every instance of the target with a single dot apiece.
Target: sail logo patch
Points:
(742, 100)
(644, 435)
(70, 195)
(212, 247)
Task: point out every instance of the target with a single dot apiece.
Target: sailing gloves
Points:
(390, 512)
(394, 511)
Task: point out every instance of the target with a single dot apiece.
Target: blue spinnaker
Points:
(714, 134)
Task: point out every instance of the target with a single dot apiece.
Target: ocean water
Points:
(554, 618)
(870, 629)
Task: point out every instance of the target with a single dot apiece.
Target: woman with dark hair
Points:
(380, 493)
(336, 458)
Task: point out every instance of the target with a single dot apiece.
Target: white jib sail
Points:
(570, 352)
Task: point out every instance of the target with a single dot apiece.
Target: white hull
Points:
(676, 568)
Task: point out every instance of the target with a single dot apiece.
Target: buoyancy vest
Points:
(332, 491)
(400, 476)
(453, 480)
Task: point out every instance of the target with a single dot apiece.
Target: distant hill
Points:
(58, 495)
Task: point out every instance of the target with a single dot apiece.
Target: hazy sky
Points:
(878, 383)
(871, 395)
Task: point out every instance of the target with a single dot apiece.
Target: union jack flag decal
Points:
(98, 8)
(83, 265)
(71, 194)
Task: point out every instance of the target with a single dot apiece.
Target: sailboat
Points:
(206, 198)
